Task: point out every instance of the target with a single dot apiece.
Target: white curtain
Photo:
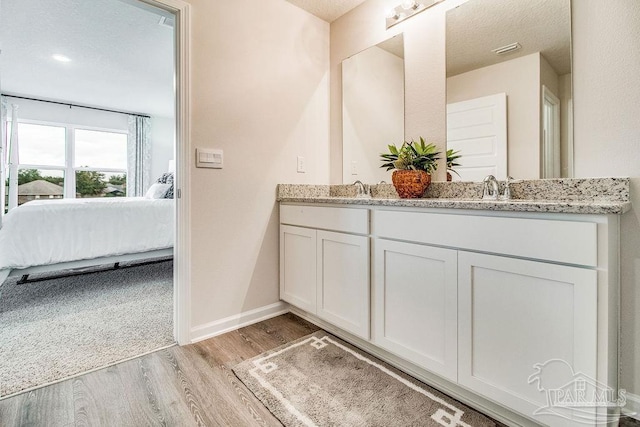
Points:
(3, 155)
(12, 164)
(138, 155)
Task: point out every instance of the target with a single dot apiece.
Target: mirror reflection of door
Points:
(478, 128)
(518, 48)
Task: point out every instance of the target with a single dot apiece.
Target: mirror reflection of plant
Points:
(413, 155)
(452, 160)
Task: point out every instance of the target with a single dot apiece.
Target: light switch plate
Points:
(302, 168)
(209, 158)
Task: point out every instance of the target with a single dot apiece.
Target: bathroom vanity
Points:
(499, 304)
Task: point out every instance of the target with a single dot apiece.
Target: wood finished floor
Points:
(180, 386)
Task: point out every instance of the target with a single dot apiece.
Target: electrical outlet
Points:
(302, 167)
(354, 167)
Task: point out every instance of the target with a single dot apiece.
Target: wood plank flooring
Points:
(179, 386)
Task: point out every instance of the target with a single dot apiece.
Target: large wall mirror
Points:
(372, 109)
(509, 98)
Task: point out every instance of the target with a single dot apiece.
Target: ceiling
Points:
(478, 26)
(328, 10)
(120, 57)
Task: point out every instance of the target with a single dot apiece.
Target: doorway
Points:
(178, 13)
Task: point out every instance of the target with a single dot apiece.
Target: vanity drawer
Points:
(348, 220)
(566, 242)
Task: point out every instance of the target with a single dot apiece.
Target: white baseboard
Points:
(232, 323)
(632, 408)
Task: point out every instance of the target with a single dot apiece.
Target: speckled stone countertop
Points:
(582, 196)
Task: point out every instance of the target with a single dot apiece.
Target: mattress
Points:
(43, 232)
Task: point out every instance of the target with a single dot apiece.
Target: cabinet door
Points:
(298, 267)
(415, 300)
(526, 329)
(343, 281)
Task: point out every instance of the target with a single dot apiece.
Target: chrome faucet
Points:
(507, 187)
(362, 190)
(491, 189)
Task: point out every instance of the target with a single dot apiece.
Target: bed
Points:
(52, 235)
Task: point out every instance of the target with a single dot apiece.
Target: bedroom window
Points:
(100, 163)
(41, 171)
(67, 161)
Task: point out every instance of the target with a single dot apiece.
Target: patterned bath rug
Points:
(320, 380)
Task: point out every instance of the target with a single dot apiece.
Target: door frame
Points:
(551, 162)
(182, 231)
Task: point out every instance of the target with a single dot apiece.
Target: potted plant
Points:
(452, 161)
(412, 165)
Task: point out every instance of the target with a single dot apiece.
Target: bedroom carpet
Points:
(321, 380)
(54, 329)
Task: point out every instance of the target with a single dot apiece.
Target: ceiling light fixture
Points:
(410, 4)
(61, 58)
(407, 9)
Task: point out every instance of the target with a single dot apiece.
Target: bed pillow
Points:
(157, 191)
(167, 178)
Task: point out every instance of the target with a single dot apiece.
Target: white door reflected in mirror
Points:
(539, 134)
(477, 129)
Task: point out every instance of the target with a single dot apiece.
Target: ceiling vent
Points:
(166, 22)
(507, 49)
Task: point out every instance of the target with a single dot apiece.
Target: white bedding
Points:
(44, 232)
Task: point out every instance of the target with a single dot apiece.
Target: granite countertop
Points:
(578, 196)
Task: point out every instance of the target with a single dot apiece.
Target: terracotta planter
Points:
(410, 184)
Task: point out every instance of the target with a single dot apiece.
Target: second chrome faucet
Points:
(491, 188)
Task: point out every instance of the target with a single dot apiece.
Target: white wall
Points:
(373, 112)
(162, 140)
(259, 77)
(606, 111)
(520, 80)
(607, 137)
(424, 44)
(566, 122)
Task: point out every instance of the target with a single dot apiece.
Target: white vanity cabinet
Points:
(415, 304)
(517, 314)
(505, 306)
(298, 267)
(324, 272)
(343, 281)
(490, 301)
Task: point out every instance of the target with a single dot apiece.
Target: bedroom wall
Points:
(259, 77)
(606, 111)
(162, 139)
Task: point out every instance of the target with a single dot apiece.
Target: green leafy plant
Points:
(413, 155)
(452, 160)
